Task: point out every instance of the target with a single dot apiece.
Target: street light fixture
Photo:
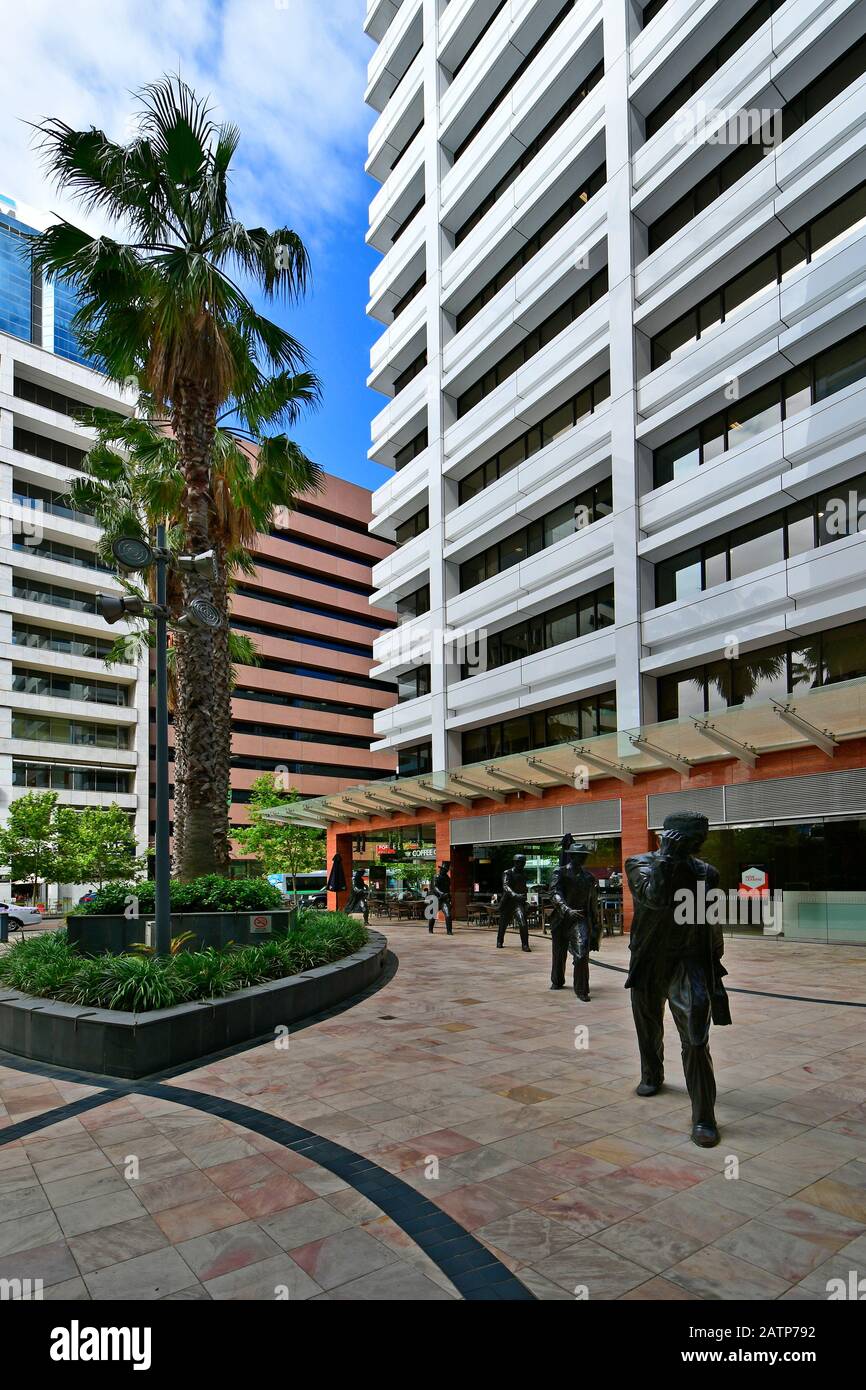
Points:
(134, 556)
(113, 607)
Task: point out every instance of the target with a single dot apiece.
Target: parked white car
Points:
(22, 916)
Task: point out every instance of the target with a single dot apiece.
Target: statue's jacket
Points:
(657, 937)
(575, 901)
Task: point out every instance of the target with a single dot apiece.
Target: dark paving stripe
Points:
(53, 1117)
(89, 1078)
(761, 993)
(474, 1271)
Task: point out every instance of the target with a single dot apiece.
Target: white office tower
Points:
(67, 722)
(623, 297)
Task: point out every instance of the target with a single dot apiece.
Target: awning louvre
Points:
(823, 717)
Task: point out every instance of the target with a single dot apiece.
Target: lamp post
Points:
(162, 857)
(133, 555)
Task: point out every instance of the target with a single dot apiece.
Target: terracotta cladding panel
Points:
(297, 750)
(316, 562)
(312, 590)
(259, 712)
(307, 688)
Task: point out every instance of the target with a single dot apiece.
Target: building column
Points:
(461, 880)
(339, 844)
(635, 839)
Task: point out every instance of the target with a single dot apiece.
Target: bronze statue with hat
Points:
(677, 958)
(512, 906)
(575, 926)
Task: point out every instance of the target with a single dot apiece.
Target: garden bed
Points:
(133, 1015)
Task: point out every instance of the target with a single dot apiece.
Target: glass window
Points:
(606, 607)
(844, 653)
(561, 626)
(713, 438)
(607, 713)
(718, 684)
(679, 577)
(797, 391)
(535, 537)
(839, 366)
(758, 412)
(562, 725)
(752, 282)
(838, 221)
(559, 524)
(665, 344)
(800, 528)
(516, 736)
(589, 718)
(709, 313)
(512, 550)
(511, 456)
(754, 546)
(715, 563)
(474, 745)
(760, 676)
(473, 571)
(558, 423)
(677, 459)
(805, 665)
(792, 253)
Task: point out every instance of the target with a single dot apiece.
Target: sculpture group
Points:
(675, 959)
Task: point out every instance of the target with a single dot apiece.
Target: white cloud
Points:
(291, 78)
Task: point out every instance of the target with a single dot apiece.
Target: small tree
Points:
(104, 846)
(29, 840)
(280, 847)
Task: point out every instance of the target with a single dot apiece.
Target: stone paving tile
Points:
(544, 1152)
(145, 1277)
(712, 1273)
(113, 1244)
(308, 1222)
(592, 1271)
(339, 1258)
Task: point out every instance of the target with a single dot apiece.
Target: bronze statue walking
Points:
(512, 908)
(678, 958)
(575, 926)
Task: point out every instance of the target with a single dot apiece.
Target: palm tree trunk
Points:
(201, 762)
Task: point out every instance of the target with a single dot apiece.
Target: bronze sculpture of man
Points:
(512, 908)
(575, 926)
(441, 892)
(358, 902)
(678, 958)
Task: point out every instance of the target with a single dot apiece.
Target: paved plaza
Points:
(451, 1136)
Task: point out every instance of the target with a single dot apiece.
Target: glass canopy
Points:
(822, 718)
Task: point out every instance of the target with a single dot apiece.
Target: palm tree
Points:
(164, 308)
(132, 481)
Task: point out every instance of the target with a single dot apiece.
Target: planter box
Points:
(111, 1043)
(112, 935)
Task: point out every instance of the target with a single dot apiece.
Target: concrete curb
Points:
(108, 1042)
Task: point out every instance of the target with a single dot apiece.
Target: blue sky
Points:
(291, 75)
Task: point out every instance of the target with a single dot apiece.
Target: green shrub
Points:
(211, 893)
(48, 967)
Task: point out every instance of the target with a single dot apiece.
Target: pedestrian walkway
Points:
(456, 1134)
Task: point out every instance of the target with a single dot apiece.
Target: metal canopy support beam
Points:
(822, 738)
(359, 808)
(476, 788)
(518, 783)
(404, 809)
(742, 751)
(563, 779)
(419, 801)
(616, 770)
(445, 797)
(668, 759)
